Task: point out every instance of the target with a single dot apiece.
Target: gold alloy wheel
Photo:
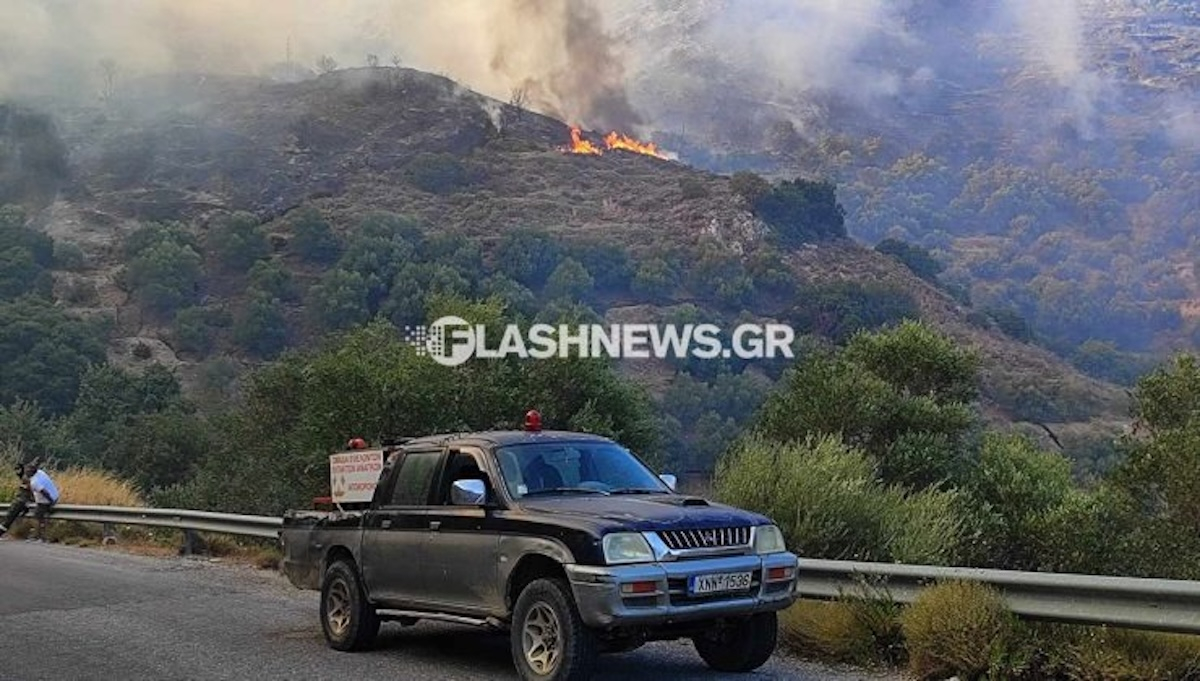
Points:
(540, 636)
(338, 608)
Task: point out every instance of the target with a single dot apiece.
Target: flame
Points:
(580, 145)
(615, 140)
(612, 141)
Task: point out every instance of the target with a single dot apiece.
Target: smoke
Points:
(1053, 35)
(553, 50)
(599, 63)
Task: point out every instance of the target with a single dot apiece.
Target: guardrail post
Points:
(191, 543)
(110, 534)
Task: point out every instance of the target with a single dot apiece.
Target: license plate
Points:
(711, 584)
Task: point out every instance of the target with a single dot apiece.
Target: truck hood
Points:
(649, 512)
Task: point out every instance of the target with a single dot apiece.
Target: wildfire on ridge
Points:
(580, 145)
(613, 140)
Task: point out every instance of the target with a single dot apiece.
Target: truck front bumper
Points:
(660, 593)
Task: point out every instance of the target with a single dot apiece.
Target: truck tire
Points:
(549, 640)
(348, 620)
(741, 647)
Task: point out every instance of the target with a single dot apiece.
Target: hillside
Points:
(196, 149)
(1046, 152)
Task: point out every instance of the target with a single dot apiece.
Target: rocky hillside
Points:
(194, 149)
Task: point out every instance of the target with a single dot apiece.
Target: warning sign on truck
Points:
(352, 475)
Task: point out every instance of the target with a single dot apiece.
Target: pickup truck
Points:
(566, 541)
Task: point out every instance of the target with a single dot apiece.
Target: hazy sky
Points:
(575, 57)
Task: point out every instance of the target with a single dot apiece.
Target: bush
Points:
(528, 256)
(437, 173)
(163, 274)
(956, 629)
(272, 278)
(69, 256)
(827, 499)
(570, 281)
(858, 631)
(312, 238)
(261, 328)
(655, 279)
(840, 310)
(749, 186)
(194, 330)
(1099, 653)
(238, 241)
(915, 258)
(802, 211)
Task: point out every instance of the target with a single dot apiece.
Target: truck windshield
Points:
(549, 468)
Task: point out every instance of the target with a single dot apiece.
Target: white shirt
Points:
(44, 491)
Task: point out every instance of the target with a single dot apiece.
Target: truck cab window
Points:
(462, 466)
(414, 478)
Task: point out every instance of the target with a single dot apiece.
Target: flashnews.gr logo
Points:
(451, 341)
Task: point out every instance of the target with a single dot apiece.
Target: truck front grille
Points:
(717, 538)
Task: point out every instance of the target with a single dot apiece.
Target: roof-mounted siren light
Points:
(533, 421)
(357, 443)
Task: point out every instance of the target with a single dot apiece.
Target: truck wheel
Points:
(549, 640)
(348, 620)
(741, 647)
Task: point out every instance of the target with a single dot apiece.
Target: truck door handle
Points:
(435, 525)
(385, 523)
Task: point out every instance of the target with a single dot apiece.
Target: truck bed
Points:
(307, 535)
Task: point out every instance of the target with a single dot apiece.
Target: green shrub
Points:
(802, 211)
(437, 173)
(272, 278)
(655, 279)
(238, 241)
(261, 328)
(915, 258)
(956, 629)
(827, 499)
(194, 330)
(312, 237)
(69, 256)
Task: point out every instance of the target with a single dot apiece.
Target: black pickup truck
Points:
(565, 540)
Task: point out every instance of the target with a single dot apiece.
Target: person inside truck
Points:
(539, 475)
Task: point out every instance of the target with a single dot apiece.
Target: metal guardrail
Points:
(181, 519)
(1153, 604)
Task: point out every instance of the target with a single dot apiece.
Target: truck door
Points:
(394, 532)
(463, 542)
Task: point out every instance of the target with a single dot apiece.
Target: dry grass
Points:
(957, 629)
(854, 630)
(95, 488)
(1099, 654)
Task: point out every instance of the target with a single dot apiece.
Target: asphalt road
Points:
(68, 613)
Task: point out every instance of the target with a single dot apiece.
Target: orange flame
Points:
(613, 140)
(580, 145)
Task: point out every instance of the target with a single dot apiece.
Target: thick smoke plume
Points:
(677, 61)
(554, 51)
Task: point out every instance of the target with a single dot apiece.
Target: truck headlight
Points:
(768, 539)
(627, 547)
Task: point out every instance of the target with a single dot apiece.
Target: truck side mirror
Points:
(468, 493)
(671, 480)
